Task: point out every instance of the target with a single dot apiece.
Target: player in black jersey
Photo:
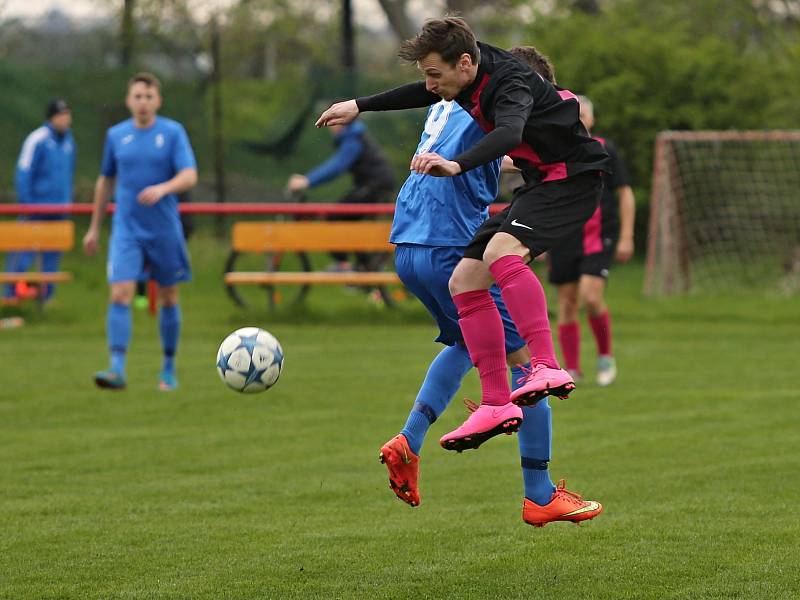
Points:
(579, 267)
(528, 119)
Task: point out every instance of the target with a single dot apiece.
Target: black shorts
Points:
(573, 258)
(543, 215)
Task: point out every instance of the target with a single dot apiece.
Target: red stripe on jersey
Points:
(592, 233)
(566, 95)
(477, 112)
(551, 171)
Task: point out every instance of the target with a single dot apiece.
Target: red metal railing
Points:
(228, 208)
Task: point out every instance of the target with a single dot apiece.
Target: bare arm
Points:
(185, 179)
(627, 216)
(103, 189)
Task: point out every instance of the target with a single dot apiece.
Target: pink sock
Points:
(601, 326)
(569, 336)
(527, 305)
(482, 329)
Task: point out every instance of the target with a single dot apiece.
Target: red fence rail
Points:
(228, 208)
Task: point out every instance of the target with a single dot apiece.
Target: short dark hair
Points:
(148, 79)
(56, 106)
(450, 37)
(536, 61)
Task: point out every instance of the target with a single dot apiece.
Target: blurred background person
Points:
(147, 161)
(44, 175)
(373, 178)
(580, 267)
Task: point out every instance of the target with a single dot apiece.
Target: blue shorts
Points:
(425, 271)
(164, 259)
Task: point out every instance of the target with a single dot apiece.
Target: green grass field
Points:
(206, 494)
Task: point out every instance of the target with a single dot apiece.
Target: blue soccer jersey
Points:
(139, 158)
(445, 211)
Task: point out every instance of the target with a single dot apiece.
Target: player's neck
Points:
(467, 79)
(144, 124)
(472, 74)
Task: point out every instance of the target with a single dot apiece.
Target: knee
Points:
(169, 296)
(457, 283)
(121, 296)
(503, 244)
(594, 303)
(469, 277)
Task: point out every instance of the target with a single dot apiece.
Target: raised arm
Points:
(412, 95)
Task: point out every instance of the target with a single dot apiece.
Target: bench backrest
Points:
(267, 236)
(36, 235)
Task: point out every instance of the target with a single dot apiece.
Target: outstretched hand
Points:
(430, 163)
(340, 113)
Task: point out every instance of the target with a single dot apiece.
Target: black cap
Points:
(56, 106)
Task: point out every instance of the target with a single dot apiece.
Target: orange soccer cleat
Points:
(563, 506)
(403, 467)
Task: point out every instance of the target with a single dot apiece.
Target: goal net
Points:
(725, 212)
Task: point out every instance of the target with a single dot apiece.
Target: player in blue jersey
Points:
(147, 161)
(44, 175)
(435, 219)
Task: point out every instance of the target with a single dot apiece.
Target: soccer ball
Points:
(250, 360)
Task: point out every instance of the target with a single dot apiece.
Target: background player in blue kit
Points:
(44, 175)
(147, 161)
(435, 218)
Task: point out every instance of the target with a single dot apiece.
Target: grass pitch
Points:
(206, 494)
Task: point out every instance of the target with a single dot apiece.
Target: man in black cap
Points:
(44, 175)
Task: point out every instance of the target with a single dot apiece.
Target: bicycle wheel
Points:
(248, 295)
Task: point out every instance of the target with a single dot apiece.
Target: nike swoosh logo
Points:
(498, 413)
(516, 223)
(588, 508)
(405, 457)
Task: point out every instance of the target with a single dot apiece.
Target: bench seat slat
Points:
(312, 236)
(39, 236)
(34, 277)
(309, 278)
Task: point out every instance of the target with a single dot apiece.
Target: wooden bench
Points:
(275, 239)
(36, 236)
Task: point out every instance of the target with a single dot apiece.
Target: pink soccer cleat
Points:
(542, 381)
(485, 422)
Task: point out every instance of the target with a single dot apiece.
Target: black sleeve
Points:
(512, 106)
(411, 95)
(620, 177)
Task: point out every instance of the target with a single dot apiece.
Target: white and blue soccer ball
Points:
(250, 360)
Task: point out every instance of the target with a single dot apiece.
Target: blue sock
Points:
(51, 261)
(535, 436)
(169, 326)
(440, 385)
(118, 330)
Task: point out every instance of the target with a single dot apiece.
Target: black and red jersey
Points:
(619, 177)
(523, 116)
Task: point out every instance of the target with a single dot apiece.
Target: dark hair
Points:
(536, 61)
(449, 37)
(56, 106)
(148, 79)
